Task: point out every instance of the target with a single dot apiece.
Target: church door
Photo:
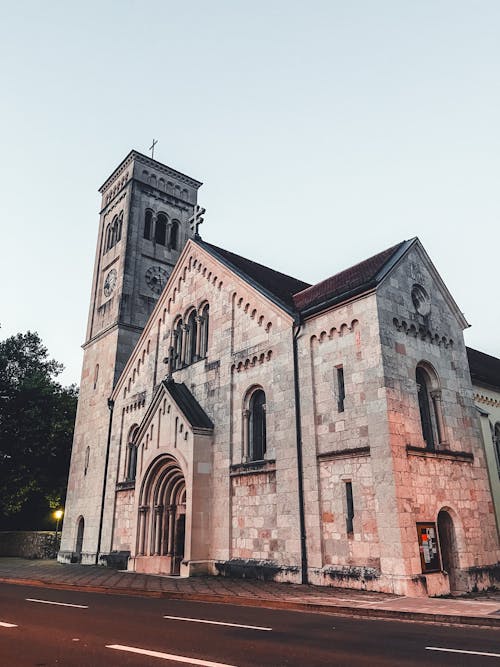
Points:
(449, 550)
(180, 538)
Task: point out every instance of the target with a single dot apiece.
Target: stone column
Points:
(158, 523)
(438, 412)
(185, 330)
(143, 514)
(171, 526)
(199, 332)
(246, 453)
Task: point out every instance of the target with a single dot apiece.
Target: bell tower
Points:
(143, 227)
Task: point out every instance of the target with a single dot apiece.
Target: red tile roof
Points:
(352, 279)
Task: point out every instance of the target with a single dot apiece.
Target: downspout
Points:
(296, 328)
(111, 405)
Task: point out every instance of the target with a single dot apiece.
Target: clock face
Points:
(156, 278)
(110, 282)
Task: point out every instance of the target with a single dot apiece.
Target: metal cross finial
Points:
(196, 219)
(152, 148)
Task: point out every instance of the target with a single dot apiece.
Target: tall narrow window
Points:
(119, 224)
(96, 375)
(257, 426)
(425, 408)
(340, 389)
(107, 241)
(132, 454)
(87, 460)
(204, 331)
(174, 235)
(161, 229)
(148, 225)
(349, 519)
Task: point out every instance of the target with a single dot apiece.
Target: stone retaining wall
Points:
(29, 544)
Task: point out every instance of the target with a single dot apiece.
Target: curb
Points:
(266, 603)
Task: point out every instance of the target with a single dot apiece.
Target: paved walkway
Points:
(481, 609)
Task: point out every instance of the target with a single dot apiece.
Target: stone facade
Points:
(29, 544)
(346, 479)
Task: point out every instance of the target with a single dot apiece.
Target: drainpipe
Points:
(111, 405)
(296, 328)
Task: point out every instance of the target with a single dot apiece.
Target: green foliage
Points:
(37, 418)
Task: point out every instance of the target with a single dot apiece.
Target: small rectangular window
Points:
(340, 389)
(349, 508)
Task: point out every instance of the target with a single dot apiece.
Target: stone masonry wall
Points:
(255, 532)
(29, 544)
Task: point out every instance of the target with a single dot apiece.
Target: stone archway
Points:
(449, 550)
(161, 526)
(79, 539)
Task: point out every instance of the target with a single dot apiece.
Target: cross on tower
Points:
(196, 219)
(152, 148)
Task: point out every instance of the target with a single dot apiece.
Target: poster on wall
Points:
(428, 547)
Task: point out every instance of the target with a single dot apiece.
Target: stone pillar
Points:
(185, 330)
(157, 529)
(438, 412)
(199, 332)
(143, 515)
(171, 527)
(246, 453)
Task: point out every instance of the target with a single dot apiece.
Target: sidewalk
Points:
(482, 609)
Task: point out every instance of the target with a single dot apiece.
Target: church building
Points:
(234, 420)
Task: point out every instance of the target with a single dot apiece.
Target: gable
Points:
(198, 278)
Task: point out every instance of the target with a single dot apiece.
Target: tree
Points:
(37, 418)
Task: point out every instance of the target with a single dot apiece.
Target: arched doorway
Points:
(449, 550)
(161, 528)
(79, 539)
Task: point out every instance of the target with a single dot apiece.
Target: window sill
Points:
(252, 468)
(126, 485)
(466, 457)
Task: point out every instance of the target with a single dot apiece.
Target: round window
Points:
(421, 300)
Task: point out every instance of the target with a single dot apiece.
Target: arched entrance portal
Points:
(162, 518)
(79, 539)
(449, 550)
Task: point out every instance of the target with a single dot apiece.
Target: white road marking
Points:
(232, 625)
(168, 656)
(61, 604)
(7, 625)
(456, 650)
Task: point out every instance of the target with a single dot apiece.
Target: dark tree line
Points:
(37, 417)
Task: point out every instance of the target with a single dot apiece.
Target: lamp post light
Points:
(57, 515)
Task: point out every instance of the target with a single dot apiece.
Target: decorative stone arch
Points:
(161, 526)
(430, 405)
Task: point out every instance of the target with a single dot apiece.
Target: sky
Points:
(324, 132)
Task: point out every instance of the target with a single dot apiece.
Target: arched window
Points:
(178, 345)
(132, 453)
(174, 235)
(119, 224)
(161, 229)
(204, 331)
(148, 224)
(192, 334)
(256, 426)
(107, 241)
(114, 231)
(429, 403)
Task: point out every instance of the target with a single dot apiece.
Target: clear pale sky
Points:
(323, 132)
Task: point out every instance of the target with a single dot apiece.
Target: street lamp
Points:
(57, 515)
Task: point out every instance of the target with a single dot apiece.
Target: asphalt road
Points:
(90, 629)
